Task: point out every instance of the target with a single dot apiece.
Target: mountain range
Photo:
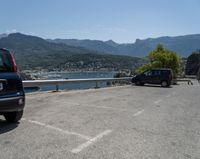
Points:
(32, 52)
(183, 45)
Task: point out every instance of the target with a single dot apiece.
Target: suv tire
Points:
(13, 117)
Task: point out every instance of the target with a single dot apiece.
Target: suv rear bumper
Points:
(12, 104)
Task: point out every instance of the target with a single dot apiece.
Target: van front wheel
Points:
(137, 83)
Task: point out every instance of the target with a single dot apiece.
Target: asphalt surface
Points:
(128, 122)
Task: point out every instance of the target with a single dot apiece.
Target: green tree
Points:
(162, 58)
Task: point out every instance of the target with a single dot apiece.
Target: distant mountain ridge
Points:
(96, 45)
(32, 52)
(183, 45)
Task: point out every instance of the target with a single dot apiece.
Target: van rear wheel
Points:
(13, 117)
(164, 84)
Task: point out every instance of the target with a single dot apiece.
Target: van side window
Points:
(156, 73)
(148, 73)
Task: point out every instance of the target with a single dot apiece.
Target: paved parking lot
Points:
(110, 123)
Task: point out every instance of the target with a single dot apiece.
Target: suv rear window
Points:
(5, 62)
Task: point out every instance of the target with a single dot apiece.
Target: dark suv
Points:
(161, 76)
(12, 97)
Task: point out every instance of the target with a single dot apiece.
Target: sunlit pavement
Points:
(119, 122)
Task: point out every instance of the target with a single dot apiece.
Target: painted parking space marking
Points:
(158, 101)
(138, 113)
(73, 104)
(90, 142)
(57, 129)
(98, 107)
(106, 107)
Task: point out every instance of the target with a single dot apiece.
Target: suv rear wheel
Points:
(13, 117)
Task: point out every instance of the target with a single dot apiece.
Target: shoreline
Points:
(67, 74)
(103, 71)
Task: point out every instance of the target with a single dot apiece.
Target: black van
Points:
(161, 76)
(12, 96)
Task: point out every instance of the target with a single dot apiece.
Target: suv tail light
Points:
(14, 66)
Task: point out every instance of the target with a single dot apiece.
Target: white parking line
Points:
(158, 101)
(98, 107)
(105, 107)
(138, 113)
(57, 129)
(72, 104)
(91, 141)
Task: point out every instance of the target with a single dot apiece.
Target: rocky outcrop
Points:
(193, 63)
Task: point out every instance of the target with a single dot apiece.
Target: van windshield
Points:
(5, 62)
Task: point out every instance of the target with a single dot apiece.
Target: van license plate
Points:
(1, 86)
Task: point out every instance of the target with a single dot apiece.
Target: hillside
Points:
(33, 52)
(183, 45)
(109, 46)
(95, 62)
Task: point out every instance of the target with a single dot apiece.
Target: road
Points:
(128, 122)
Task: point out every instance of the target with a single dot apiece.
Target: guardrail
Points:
(184, 80)
(37, 83)
(191, 76)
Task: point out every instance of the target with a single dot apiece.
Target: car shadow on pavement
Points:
(6, 127)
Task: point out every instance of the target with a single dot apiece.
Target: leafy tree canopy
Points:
(162, 58)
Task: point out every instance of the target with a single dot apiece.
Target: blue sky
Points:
(120, 20)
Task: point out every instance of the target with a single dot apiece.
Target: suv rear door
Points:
(10, 82)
